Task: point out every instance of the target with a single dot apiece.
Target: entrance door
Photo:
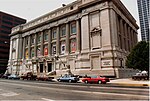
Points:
(41, 68)
(49, 67)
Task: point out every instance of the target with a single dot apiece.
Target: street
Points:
(46, 91)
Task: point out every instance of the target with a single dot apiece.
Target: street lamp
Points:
(57, 58)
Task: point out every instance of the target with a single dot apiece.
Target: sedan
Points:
(95, 79)
(68, 78)
(13, 76)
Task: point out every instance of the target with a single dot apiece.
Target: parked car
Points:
(45, 78)
(13, 76)
(68, 78)
(140, 76)
(95, 79)
(28, 76)
(5, 76)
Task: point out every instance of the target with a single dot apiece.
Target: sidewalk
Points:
(130, 82)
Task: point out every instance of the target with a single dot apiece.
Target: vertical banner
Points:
(63, 47)
(73, 45)
(45, 51)
(27, 54)
(38, 51)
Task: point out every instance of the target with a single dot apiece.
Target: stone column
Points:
(49, 43)
(57, 42)
(122, 33)
(20, 48)
(42, 43)
(67, 38)
(29, 47)
(78, 36)
(35, 46)
(10, 50)
(23, 49)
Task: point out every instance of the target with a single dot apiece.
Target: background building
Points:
(144, 16)
(7, 22)
(93, 37)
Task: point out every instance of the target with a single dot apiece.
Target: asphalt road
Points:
(49, 91)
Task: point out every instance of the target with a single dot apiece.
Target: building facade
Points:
(7, 22)
(92, 36)
(144, 16)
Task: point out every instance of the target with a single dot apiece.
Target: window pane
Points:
(63, 31)
(54, 33)
(45, 36)
(73, 28)
(39, 38)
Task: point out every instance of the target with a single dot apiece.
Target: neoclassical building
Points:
(92, 36)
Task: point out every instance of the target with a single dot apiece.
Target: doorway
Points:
(49, 67)
(41, 68)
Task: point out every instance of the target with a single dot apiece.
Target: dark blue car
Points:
(68, 78)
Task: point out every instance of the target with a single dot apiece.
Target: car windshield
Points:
(93, 76)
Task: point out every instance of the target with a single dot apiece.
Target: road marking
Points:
(47, 99)
(9, 94)
(77, 91)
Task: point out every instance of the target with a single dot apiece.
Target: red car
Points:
(95, 79)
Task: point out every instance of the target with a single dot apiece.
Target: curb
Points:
(134, 85)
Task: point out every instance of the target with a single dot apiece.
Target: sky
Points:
(31, 9)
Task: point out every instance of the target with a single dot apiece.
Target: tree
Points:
(139, 57)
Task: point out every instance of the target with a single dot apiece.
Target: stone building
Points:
(92, 36)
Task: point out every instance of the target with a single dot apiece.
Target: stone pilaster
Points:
(29, 47)
(20, 48)
(42, 43)
(67, 38)
(57, 42)
(49, 43)
(35, 46)
(10, 50)
(78, 36)
(122, 33)
(23, 51)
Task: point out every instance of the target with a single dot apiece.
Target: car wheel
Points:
(59, 80)
(86, 81)
(99, 82)
(70, 81)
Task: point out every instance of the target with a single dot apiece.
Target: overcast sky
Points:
(31, 9)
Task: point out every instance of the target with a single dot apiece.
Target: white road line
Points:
(47, 99)
(9, 94)
(77, 91)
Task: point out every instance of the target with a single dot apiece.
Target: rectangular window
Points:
(38, 51)
(14, 44)
(39, 38)
(54, 32)
(62, 30)
(27, 41)
(32, 39)
(46, 36)
(32, 52)
(73, 28)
